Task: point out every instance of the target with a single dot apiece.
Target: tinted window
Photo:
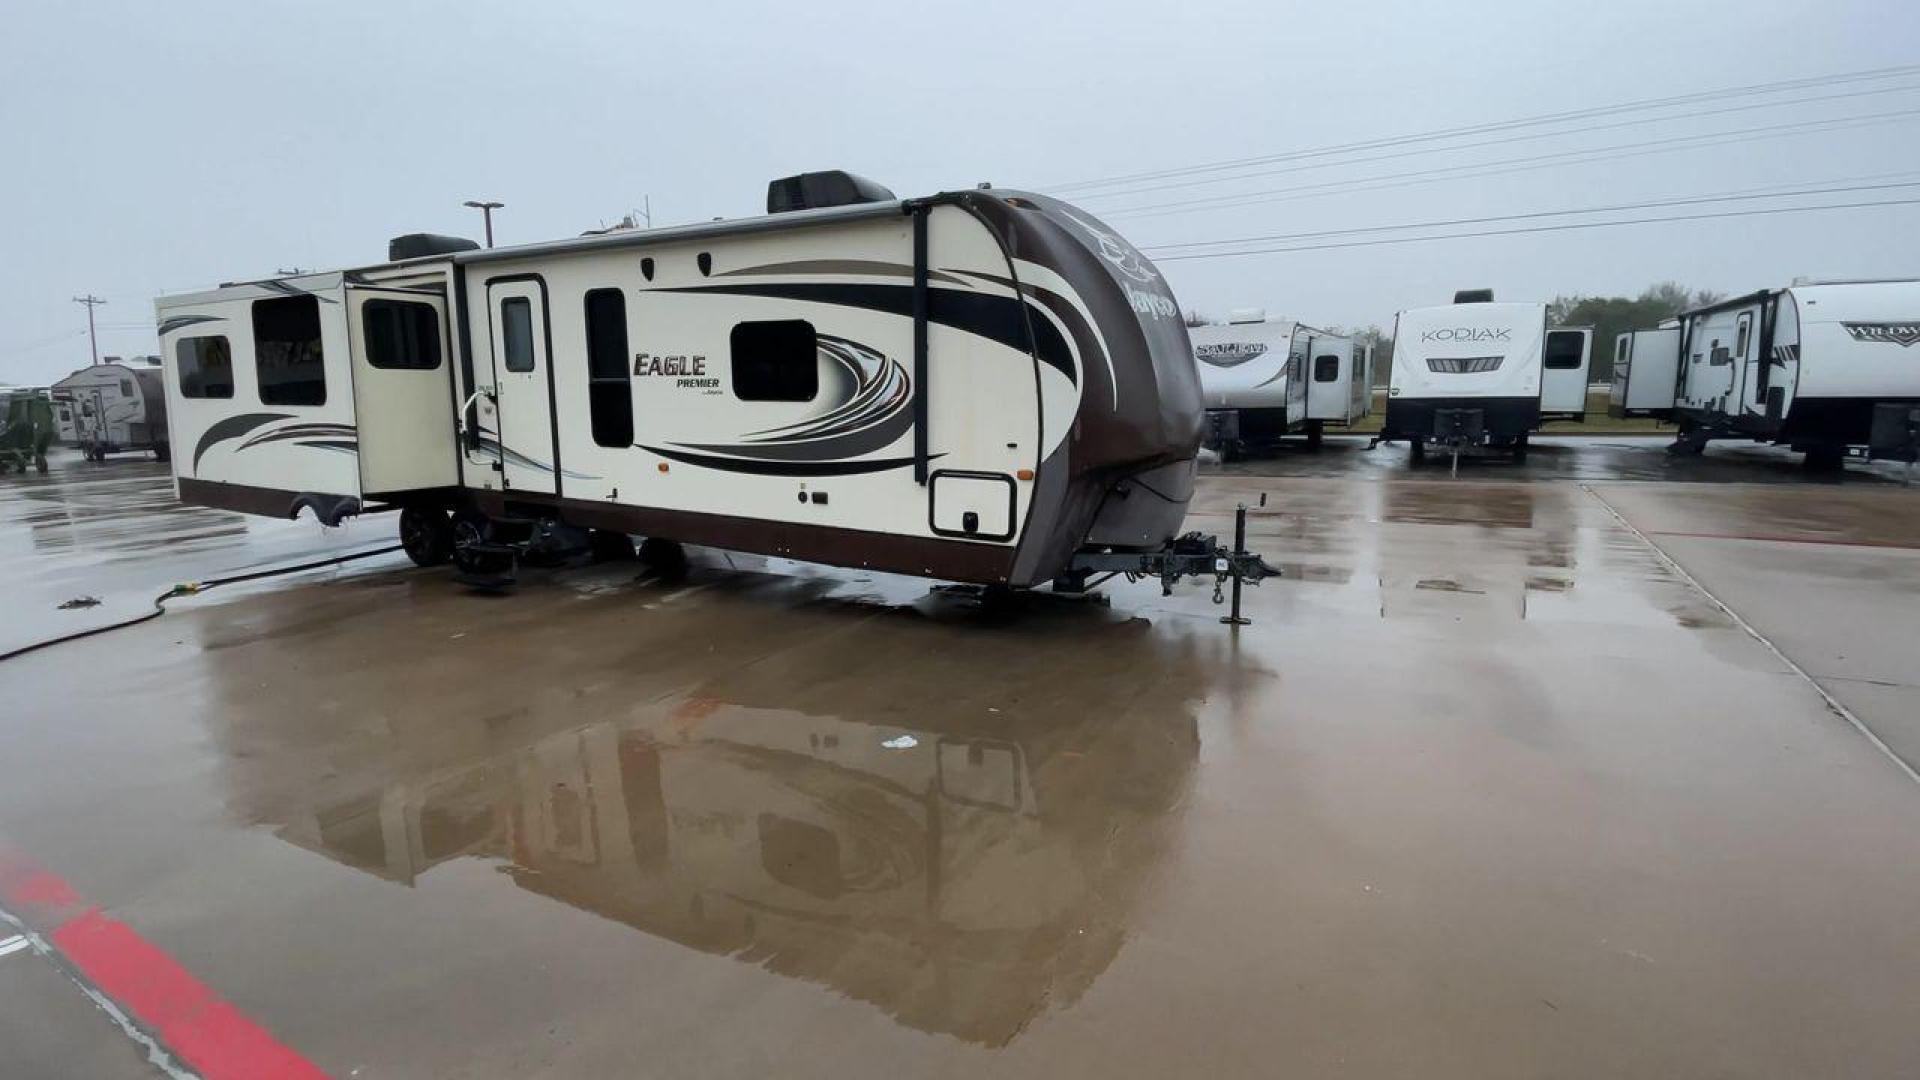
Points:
(286, 351)
(205, 367)
(1563, 350)
(1740, 343)
(775, 361)
(401, 334)
(126, 387)
(516, 330)
(1326, 368)
(609, 380)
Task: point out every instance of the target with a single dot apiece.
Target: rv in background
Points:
(983, 386)
(1646, 368)
(1823, 367)
(113, 407)
(1265, 379)
(1469, 374)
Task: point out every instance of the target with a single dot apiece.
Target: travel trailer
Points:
(1467, 374)
(1265, 379)
(983, 386)
(112, 407)
(1820, 366)
(1646, 368)
(1564, 370)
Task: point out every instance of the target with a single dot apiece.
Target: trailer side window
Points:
(516, 327)
(205, 366)
(286, 351)
(1563, 351)
(1326, 368)
(126, 387)
(1740, 342)
(775, 361)
(402, 335)
(609, 382)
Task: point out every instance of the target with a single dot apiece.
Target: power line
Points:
(1538, 229)
(1519, 164)
(1587, 130)
(1504, 125)
(1616, 208)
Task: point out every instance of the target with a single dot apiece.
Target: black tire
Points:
(162, 453)
(1416, 450)
(427, 535)
(665, 557)
(1827, 457)
(470, 529)
(1316, 434)
(1520, 449)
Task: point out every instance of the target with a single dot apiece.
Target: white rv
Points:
(1467, 374)
(1265, 379)
(983, 386)
(1565, 367)
(113, 407)
(1820, 366)
(1646, 368)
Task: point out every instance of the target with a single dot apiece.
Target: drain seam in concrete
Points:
(1833, 703)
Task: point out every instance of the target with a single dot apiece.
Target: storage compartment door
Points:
(971, 505)
(402, 389)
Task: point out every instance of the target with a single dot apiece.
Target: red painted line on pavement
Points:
(1784, 539)
(195, 1024)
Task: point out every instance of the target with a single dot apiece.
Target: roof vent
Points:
(1473, 296)
(419, 245)
(1247, 315)
(811, 191)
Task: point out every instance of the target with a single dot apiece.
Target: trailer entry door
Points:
(523, 385)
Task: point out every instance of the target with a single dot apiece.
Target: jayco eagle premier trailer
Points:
(1646, 367)
(982, 386)
(1821, 367)
(1467, 374)
(1265, 379)
(111, 407)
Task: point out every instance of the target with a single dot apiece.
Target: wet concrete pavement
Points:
(1487, 790)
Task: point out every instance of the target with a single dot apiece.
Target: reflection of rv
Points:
(1265, 379)
(963, 866)
(1821, 367)
(1469, 374)
(973, 386)
(1646, 369)
(112, 407)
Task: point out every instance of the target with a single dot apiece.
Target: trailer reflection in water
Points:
(958, 866)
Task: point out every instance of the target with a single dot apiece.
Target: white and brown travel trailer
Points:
(1646, 368)
(1467, 374)
(1822, 367)
(113, 407)
(982, 386)
(1564, 370)
(1265, 379)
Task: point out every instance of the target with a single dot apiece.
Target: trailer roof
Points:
(702, 231)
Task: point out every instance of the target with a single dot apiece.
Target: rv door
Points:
(523, 433)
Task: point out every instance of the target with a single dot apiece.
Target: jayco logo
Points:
(1888, 333)
(1149, 303)
(1468, 333)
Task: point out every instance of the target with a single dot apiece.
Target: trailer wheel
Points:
(665, 557)
(162, 453)
(1316, 433)
(1416, 449)
(606, 545)
(1826, 457)
(472, 537)
(427, 535)
(1520, 449)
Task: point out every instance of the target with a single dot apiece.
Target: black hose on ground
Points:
(191, 588)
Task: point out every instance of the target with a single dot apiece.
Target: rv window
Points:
(206, 367)
(1326, 368)
(1563, 351)
(1740, 342)
(1719, 357)
(516, 327)
(126, 387)
(775, 361)
(401, 335)
(609, 381)
(286, 351)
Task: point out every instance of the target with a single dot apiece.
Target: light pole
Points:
(91, 301)
(486, 208)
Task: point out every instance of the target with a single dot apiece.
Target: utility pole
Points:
(486, 208)
(91, 301)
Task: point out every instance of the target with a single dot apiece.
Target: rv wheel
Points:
(474, 552)
(162, 453)
(1417, 449)
(606, 545)
(1826, 457)
(665, 557)
(427, 535)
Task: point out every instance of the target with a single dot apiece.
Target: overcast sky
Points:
(157, 147)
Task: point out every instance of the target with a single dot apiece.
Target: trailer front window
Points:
(286, 351)
(775, 361)
(205, 367)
